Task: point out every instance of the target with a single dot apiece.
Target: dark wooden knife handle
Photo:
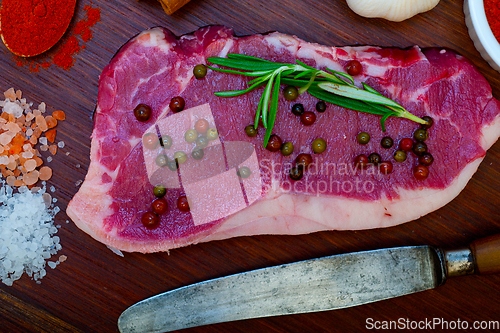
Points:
(486, 253)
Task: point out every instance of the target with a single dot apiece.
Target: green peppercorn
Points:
(251, 131)
(287, 148)
(160, 191)
(429, 121)
(173, 165)
(200, 71)
(374, 158)
(319, 146)
(166, 141)
(400, 156)
(386, 142)
(161, 160)
(291, 93)
(244, 172)
(420, 134)
(202, 141)
(296, 172)
(180, 157)
(212, 134)
(321, 106)
(197, 153)
(190, 135)
(363, 138)
(419, 148)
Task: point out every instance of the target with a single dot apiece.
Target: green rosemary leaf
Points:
(266, 96)
(244, 64)
(232, 71)
(304, 88)
(346, 102)
(234, 93)
(356, 93)
(370, 89)
(261, 79)
(337, 74)
(384, 118)
(304, 65)
(244, 56)
(273, 110)
(258, 113)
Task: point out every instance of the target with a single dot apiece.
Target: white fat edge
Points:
(310, 51)
(227, 46)
(282, 42)
(156, 39)
(490, 133)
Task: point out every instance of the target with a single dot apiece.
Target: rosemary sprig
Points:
(331, 86)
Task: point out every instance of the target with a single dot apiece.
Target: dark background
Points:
(88, 292)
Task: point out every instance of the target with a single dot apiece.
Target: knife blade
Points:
(321, 284)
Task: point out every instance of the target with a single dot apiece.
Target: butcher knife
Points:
(326, 283)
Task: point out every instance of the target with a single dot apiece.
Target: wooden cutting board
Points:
(88, 292)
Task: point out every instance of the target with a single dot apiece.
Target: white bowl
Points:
(480, 32)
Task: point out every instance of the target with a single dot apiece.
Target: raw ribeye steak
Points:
(239, 188)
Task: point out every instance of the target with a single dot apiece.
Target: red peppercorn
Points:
(406, 144)
(386, 167)
(160, 206)
(304, 160)
(149, 220)
(308, 118)
(361, 161)
(183, 204)
(274, 143)
(201, 126)
(420, 172)
(353, 67)
(425, 159)
(177, 104)
(142, 112)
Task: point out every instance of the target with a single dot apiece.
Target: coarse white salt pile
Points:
(26, 233)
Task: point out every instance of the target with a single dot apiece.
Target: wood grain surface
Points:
(88, 292)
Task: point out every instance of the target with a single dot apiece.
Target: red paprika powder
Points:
(63, 53)
(30, 28)
(492, 9)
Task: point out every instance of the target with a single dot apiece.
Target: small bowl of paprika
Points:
(482, 18)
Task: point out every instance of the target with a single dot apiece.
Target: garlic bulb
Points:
(392, 10)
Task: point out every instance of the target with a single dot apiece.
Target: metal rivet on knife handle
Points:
(486, 253)
(459, 262)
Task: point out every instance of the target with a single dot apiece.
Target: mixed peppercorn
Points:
(415, 145)
(202, 134)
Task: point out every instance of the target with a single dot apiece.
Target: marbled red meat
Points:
(156, 66)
